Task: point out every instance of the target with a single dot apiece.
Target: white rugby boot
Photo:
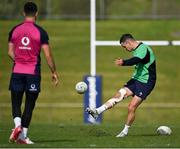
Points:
(92, 112)
(23, 140)
(122, 134)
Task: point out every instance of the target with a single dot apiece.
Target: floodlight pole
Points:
(93, 37)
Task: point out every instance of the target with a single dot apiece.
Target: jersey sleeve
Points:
(140, 52)
(44, 37)
(11, 33)
(10, 36)
(131, 61)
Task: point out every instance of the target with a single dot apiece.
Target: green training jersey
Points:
(146, 69)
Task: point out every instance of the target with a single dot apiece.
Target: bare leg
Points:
(135, 102)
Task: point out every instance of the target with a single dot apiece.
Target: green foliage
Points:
(129, 7)
(81, 8)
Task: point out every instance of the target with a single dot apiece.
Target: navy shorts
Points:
(25, 82)
(140, 89)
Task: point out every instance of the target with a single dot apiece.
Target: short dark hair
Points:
(30, 9)
(124, 37)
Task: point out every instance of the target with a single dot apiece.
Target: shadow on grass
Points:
(53, 140)
(143, 135)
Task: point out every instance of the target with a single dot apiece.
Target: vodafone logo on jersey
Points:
(25, 42)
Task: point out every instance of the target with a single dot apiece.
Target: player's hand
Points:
(119, 61)
(55, 78)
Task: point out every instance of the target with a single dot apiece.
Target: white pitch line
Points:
(80, 105)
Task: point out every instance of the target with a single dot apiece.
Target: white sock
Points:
(126, 128)
(21, 135)
(17, 121)
(101, 109)
(25, 130)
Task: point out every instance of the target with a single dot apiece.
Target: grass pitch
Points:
(63, 127)
(89, 136)
(68, 130)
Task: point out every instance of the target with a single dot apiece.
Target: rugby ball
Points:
(81, 87)
(164, 130)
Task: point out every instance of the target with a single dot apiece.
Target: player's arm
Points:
(11, 50)
(137, 58)
(11, 45)
(128, 62)
(132, 61)
(50, 60)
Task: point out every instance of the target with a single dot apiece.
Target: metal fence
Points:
(106, 9)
